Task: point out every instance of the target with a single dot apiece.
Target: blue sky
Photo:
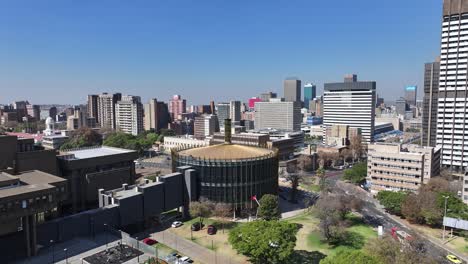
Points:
(60, 51)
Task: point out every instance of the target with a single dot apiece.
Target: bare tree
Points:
(222, 210)
(201, 209)
(356, 147)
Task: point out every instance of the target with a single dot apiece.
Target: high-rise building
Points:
(212, 108)
(265, 97)
(53, 112)
(21, 109)
(34, 111)
(310, 91)
(410, 94)
(277, 114)
(106, 109)
(401, 106)
(316, 106)
(453, 92)
(235, 111)
(223, 113)
(92, 106)
(350, 103)
(430, 101)
(156, 115)
(177, 106)
(129, 115)
(205, 126)
(252, 102)
(292, 90)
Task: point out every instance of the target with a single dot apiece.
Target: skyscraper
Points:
(350, 103)
(92, 106)
(205, 125)
(106, 109)
(177, 106)
(292, 90)
(309, 94)
(235, 111)
(410, 94)
(252, 102)
(129, 115)
(224, 112)
(453, 92)
(53, 112)
(401, 106)
(430, 102)
(34, 111)
(156, 115)
(277, 114)
(265, 97)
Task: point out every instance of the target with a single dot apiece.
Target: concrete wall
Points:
(43, 160)
(7, 151)
(173, 190)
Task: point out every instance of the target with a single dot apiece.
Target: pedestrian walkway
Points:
(191, 249)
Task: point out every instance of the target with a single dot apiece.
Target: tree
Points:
(82, 137)
(323, 184)
(349, 256)
(222, 210)
(392, 201)
(268, 209)
(356, 147)
(357, 174)
(265, 241)
(138, 143)
(328, 211)
(346, 155)
(390, 251)
(201, 209)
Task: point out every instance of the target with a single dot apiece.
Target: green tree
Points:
(82, 137)
(357, 174)
(349, 256)
(392, 201)
(268, 209)
(265, 241)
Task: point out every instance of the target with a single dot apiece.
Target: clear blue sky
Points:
(60, 51)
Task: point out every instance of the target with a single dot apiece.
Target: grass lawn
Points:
(309, 238)
(218, 242)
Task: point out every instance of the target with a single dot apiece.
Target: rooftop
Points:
(226, 152)
(94, 152)
(31, 181)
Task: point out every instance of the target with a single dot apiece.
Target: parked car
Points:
(212, 230)
(453, 259)
(149, 241)
(176, 224)
(197, 226)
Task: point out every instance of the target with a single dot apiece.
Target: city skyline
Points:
(156, 51)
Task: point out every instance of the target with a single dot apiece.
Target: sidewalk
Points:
(191, 249)
(77, 250)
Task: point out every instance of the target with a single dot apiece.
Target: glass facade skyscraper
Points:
(310, 92)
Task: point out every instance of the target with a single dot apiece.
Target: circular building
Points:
(230, 173)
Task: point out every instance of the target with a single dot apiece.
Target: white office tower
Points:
(129, 115)
(278, 114)
(350, 103)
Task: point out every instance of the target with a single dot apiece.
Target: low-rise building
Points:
(392, 167)
(26, 200)
(54, 141)
(249, 139)
(90, 169)
(184, 142)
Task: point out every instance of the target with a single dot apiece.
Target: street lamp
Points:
(53, 250)
(445, 214)
(66, 255)
(138, 248)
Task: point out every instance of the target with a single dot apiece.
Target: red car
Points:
(149, 241)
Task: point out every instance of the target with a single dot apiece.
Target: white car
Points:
(176, 224)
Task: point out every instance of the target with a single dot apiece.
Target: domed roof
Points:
(226, 152)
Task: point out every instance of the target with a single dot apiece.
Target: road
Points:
(375, 216)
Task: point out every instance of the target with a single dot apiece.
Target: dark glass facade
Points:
(233, 181)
